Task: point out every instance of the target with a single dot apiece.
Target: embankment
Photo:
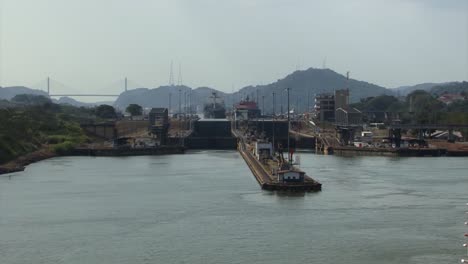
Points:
(20, 163)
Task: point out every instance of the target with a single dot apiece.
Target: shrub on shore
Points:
(63, 148)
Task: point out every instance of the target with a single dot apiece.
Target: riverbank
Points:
(389, 152)
(111, 152)
(20, 163)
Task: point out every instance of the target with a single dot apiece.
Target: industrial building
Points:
(348, 116)
(325, 107)
(326, 104)
(159, 123)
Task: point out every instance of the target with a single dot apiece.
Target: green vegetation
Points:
(30, 99)
(134, 109)
(35, 123)
(379, 103)
(105, 111)
(451, 88)
(419, 106)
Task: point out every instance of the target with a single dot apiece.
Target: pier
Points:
(264, 174)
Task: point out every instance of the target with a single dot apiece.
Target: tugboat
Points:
(214, 110)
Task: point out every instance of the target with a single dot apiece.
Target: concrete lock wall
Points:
(266, 126)
(106, 131)
(215, 128)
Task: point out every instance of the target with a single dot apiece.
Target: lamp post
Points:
(281, 99)
(274, 117)
(257, 96)
(170, 98)
(180, 106)
(289, 151)
(263, 114)
(185, 109)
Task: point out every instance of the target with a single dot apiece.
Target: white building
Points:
(291, 176)
(263, 150)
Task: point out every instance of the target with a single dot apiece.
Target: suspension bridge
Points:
(55, 88)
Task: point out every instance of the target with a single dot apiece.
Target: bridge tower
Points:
(48, 86)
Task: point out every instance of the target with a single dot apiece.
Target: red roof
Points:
(246, 105)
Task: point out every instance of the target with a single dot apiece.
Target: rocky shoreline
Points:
(20, 163)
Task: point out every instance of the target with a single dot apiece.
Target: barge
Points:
(275, 173)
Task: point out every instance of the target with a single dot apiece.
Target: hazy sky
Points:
(91, 44)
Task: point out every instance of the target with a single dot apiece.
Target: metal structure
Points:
(274, 119)
(179, 78)
(289, 128)
(171, 76)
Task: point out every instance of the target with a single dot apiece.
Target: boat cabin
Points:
(291, 176)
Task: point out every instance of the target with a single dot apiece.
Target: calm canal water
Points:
(206, 207)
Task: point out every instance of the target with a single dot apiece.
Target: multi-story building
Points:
(326, 104)
(325, 107)
(341, 98)
(159, 123)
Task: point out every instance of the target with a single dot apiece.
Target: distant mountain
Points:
(10, 92)
(305, 85)
(165, 95)
(451, 88)
(7, 104)
(71, 101)
(302, 83)
(7, 93)
(405, 90)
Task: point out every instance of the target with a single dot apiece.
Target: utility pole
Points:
(274, 118)
(289, 150)
(281, 99)
(179, 78)
(180, 106)
(257, 97)
(185, 109)
(48, 86)
(256, 122)
(263, 105)
(190, 109)
(347, 88)
(185, 103)
(171, 77)
(263, 113)
(296, 111)
(170, 99)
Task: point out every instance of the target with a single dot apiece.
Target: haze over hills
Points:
(71, 101)
(304, 84)
(9, 92)
(405, 90)
(451, 88)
